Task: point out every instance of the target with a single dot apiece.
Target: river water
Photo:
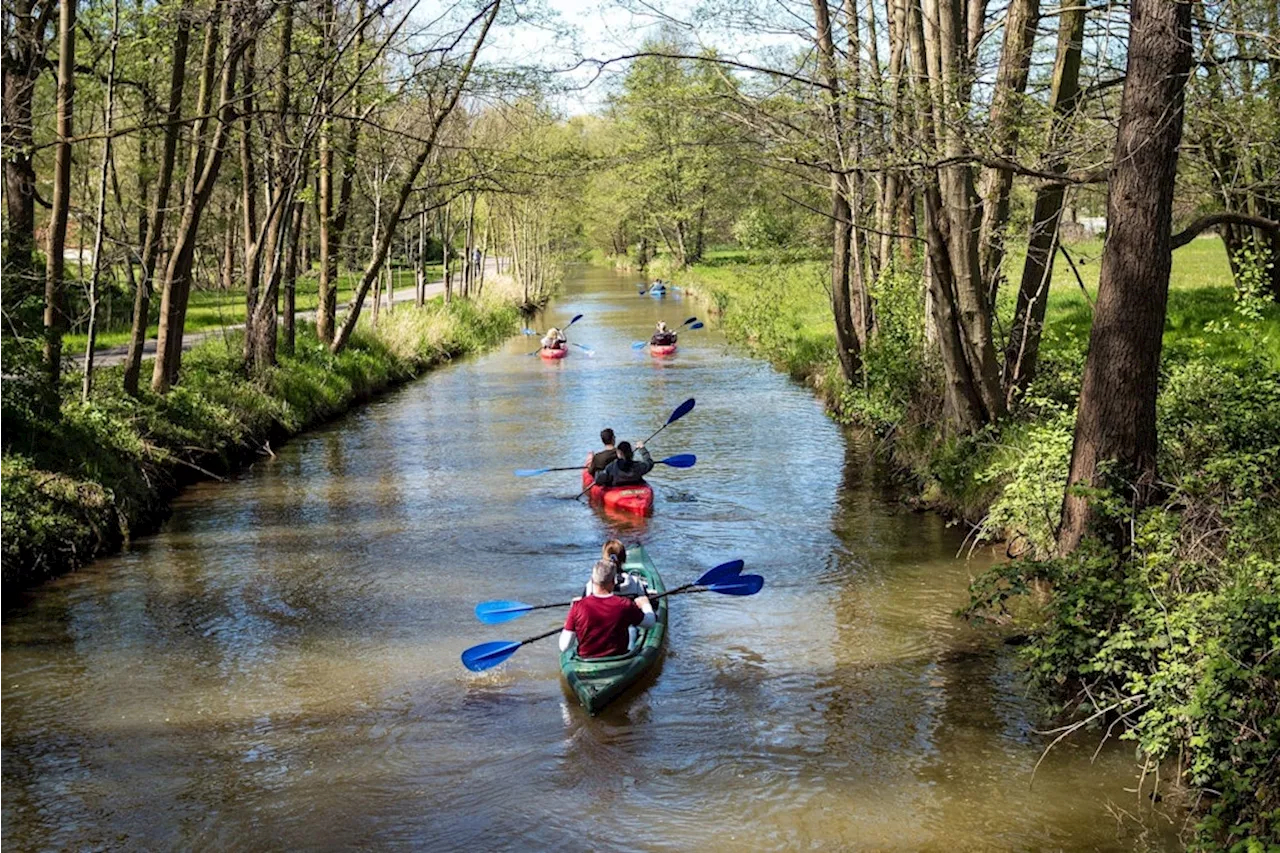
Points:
(278, 668)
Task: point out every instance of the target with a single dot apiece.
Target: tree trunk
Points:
(963, 317)
(207, 149)
(1116, 421)
(289, 281)
(1023, 347)
(54, 318)
(249, 199)
(263, 333)
(1020, 23)
(22, 63)
(327, 296)
(160, 203)
(420, 263)
(847, 350)
(101, 215)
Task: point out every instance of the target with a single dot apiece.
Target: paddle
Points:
(488, 655)
(680, 460)
(681, 410)
(588, 350)
(566, 326)
(497, 612)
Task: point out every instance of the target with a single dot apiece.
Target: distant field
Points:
(214, 309)
(1201, 316)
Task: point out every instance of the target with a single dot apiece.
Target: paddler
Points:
(624, 583)
(554, 339)
(627, 469)
(601, 458)
(663, 337)
(599, 622)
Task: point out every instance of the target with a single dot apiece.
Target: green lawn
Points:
(785, 307)
(215, 309)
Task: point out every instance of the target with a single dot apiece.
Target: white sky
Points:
(599, 29)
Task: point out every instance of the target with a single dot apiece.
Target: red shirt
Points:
(601, 624)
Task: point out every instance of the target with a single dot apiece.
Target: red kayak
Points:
(553, 353)
(633, 499)
(662, 349)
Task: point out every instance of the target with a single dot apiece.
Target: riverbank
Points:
(80, 484)
(1169, 643)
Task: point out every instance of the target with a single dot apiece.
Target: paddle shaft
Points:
(541, 636)
(677, 591)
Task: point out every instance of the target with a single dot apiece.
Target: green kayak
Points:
(598, 681)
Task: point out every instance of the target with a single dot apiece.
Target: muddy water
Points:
(278, 668)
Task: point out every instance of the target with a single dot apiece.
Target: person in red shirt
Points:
(600, 622)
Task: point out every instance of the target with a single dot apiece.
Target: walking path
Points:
(109, 356)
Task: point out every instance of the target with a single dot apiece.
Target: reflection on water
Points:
(279, 667)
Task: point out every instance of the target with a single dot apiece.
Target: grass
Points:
(217, 309)
(781, 305)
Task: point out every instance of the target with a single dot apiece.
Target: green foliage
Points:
(1180, 630)
(1030, 466)
(761, 228)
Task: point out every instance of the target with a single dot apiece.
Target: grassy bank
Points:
(1172, 641)
(78, 483)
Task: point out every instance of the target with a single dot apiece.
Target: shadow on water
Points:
(279, 665)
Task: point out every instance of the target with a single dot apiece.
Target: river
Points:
(278, 668)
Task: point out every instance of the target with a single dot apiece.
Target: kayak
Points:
(553, 353)
(635, 499)
(598, 681)
(662, 349)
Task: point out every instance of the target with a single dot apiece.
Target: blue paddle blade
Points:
(683, 409)
(639, 344)
(742, 585)
(588, 350)
(682, 460)
(723, 572)
(690, 320)
(497, 612)
(531, 472)
(697, 326)
(574, 320)
(488, 655)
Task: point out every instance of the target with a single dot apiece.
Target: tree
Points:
(25, 23)
(450, 86)
(209, 137)
(1116, 421)
(1022, 348)
(55, 260)
(160, 203)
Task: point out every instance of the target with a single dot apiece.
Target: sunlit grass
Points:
(1201, 317)
(217, 309)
